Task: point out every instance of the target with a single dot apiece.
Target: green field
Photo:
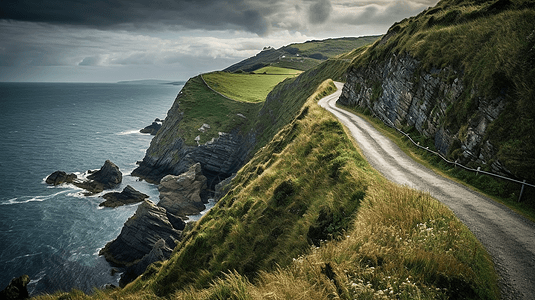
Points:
(201, 105)
(270, 70)
(330, 47)
(244, 87)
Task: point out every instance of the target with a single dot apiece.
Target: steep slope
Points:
(237, 129)
(223, 148)
(308, 218)
(462, 75)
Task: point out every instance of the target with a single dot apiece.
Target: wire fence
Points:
(456, 164)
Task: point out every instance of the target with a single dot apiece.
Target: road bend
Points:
(507, 236)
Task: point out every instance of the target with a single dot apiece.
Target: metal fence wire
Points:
(456, 164)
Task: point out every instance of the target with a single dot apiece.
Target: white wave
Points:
(26, 199)
(208, 206)
(127, 132)
(39, 276)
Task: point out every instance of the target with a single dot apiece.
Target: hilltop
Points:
(301, 56)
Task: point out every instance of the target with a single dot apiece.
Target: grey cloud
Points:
(319, 12)
(134, 14)
(383, 14)
(90, 61)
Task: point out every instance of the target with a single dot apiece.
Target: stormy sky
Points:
(109, 41)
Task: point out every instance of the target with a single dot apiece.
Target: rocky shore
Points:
(129, 195)
(151, 234)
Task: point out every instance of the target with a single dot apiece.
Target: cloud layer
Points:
(86, 33)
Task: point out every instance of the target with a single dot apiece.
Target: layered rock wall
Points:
(397, 91)
(169, 154)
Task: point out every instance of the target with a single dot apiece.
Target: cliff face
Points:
(169, 154)
(400, 93)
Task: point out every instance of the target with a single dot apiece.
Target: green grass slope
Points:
(301, 56)
(197, 105)
(308, 218)
(245, 87)
(277, 71)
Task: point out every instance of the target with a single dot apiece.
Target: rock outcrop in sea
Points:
(129, 195)
(154, 230)
(60, 177)
(140, 234)
(108, 176)
(152, 128)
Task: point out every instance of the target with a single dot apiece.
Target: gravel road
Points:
(507, 236)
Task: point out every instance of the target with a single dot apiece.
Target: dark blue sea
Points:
(54, 234)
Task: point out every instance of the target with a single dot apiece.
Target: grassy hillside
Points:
(329, 48)
(308, 218)
(245, 87)
(197, 102)
(277, 71)
(493, 44)
(301, 56)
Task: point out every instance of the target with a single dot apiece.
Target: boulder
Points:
(106, 177)
(17, 289)
(140, 233)
(152, 128)
(109, 175)
(180, 195)
(129, 195)
(60, 177)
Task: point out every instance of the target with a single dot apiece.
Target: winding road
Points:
(507, 236)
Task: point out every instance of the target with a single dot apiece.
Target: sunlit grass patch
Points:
(271, 70)
(244, 87)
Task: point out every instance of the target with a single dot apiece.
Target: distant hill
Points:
(301, 56)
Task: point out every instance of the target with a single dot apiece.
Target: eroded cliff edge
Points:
(224, 154)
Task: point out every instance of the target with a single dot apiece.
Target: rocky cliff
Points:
(170, 154)
(395, 92)
(461, 74)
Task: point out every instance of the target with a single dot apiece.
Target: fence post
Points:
(477, 173)
(521, 190)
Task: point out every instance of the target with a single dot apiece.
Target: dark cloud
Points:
(319, 12)
(369, 13)
(133, 14)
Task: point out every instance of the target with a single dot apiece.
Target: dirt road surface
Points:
(507, 236)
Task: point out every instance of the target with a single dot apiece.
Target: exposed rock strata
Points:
(129, 195)
(169, 154)
(396, 93)
(139, 235)
(180, 195)
(222, 188)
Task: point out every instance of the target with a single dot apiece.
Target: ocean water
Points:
(53, 234)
